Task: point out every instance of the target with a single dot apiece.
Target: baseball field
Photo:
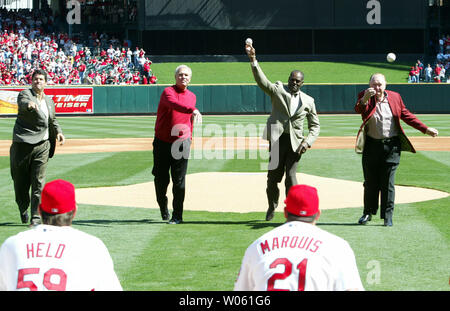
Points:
(109, 160)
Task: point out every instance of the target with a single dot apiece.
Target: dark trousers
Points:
(283, 160)
(28, 164)
(380, 161)
(173, 158)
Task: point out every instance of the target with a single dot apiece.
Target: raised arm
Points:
(258, 74)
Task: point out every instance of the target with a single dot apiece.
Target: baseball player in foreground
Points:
(299, 256)
(53, 255)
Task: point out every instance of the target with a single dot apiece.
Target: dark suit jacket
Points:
(399, 111)
(31, 125)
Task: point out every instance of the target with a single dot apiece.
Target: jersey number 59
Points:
(47, 281)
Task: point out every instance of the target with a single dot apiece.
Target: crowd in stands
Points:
(28, 41)
(438, 71)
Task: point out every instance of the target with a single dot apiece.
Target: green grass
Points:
(315, 72)
(205, 253)
(142, 127)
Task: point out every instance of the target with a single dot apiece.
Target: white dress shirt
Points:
(43, 107)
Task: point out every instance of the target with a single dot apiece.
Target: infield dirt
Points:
(142, 144)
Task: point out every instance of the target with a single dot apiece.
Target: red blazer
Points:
(399, 111)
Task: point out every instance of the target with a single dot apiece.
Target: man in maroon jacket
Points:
(173, 135)
(381, 111)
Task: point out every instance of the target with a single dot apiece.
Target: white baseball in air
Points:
(249, 41)
(391, 57)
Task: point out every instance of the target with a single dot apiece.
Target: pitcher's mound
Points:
(243, 192)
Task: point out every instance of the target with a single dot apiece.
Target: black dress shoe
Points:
(388, 222)
(24, 218)
(364, 219)
(270, 213)
(165, 217)
(175, 221)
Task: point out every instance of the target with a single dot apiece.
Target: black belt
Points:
(384, 140)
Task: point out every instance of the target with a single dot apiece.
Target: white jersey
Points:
(298, 256)
(56, 258)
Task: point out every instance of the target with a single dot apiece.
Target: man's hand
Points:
(32, 105)
(197, 117)
(250, 50)
(367, 95)
(432, 132)
(302, 148)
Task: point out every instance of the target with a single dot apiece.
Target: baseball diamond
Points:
(134, 210)
(209, 146)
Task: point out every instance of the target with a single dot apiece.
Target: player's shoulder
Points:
(20, 236)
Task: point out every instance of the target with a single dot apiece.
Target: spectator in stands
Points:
(413, 75)
(442, 77)
(420, 67)
(146, 69)
(428, 73)
(437, 73)
(136, 56)
(82, 70)
(27, 44)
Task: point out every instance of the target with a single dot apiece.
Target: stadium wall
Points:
(220, 98)
(249, 99)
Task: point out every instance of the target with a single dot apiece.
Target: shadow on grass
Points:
(338, 224)
(253, 224)
(12, 224)
(107, 222)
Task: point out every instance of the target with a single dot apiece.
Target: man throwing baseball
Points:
(298, 256)
(53, 255)
(171, 146)
(384, 139)
(284, 128)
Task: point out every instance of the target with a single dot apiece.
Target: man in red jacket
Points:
(381, 111)
(171, 145)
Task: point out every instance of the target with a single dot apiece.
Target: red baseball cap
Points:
(58, 197)
(302, 200)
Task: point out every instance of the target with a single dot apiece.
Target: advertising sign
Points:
(67, 100)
